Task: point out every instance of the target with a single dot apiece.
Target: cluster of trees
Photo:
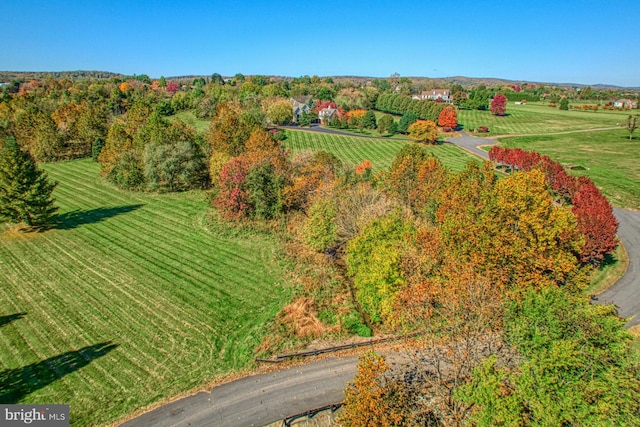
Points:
(492, 271)
(143, 150)
(396, 103)
(593, 212)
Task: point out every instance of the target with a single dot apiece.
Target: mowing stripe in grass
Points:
(183, 304)
(381, 152)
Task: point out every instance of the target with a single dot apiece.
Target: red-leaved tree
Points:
(595, 221)
(232, 198)
(593, 211)
(499, 105)
(448, 118)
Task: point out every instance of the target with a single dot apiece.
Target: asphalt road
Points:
(259, 399)
(625, 293)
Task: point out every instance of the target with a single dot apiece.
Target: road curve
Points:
(259, 399)
(625, 293)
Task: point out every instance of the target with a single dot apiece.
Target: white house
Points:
(327, 114)
(434, 94)
(625, 103)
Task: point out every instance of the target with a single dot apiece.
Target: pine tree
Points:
(25, 190)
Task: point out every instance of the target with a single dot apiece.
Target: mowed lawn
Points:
(129, 300)
(536, 119)
(381, 151)
(611, 159)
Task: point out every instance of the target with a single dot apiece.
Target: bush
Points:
(128, 172)
(354, 325)
(320, 230)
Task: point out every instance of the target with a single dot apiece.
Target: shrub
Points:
(320, 230)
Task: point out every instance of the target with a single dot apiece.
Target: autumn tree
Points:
(373, 399)
(232, 198)
(448, 118)
(228, 131)
(401, 180)
(355, 118)
(25, 190)
(498, 105)
(424, 131)
(280, 112)
(596, 222)
(320, 230)
(311, 173)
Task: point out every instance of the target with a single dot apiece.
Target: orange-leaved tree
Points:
(448, 117)
(373, 400)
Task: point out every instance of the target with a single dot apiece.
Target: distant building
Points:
(434, 95)
(625, 103)
(298, 109)
(327, 114)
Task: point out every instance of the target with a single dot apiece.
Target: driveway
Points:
(625, 293)
(259, 399)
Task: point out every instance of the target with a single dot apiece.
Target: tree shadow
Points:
(74, 219)
(15, 384)
(5, 320)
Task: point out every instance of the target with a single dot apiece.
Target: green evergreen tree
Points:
(564, 104)
(369, 120)
(25, 190)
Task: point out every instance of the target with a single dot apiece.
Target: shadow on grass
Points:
(77, 218)
(5, 320)
(15, 384)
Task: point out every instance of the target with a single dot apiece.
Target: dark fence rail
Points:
(310, 414)
(282, 357)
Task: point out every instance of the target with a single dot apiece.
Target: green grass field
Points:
(536, 118)
(201, 125)
(353, 149)
(611, 159)
(129, 300)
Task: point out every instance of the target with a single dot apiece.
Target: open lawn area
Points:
(201, 125)
(353, 150)
(611, 160)
(536, 118)
(129, 300)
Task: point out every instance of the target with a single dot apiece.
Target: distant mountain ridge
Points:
(6, 76)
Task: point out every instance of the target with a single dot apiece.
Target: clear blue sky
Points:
(558, 41)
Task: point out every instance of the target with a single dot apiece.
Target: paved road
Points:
(625, 293)
(471, 144)
(260, 399)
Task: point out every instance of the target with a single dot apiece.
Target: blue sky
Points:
(559, 41)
